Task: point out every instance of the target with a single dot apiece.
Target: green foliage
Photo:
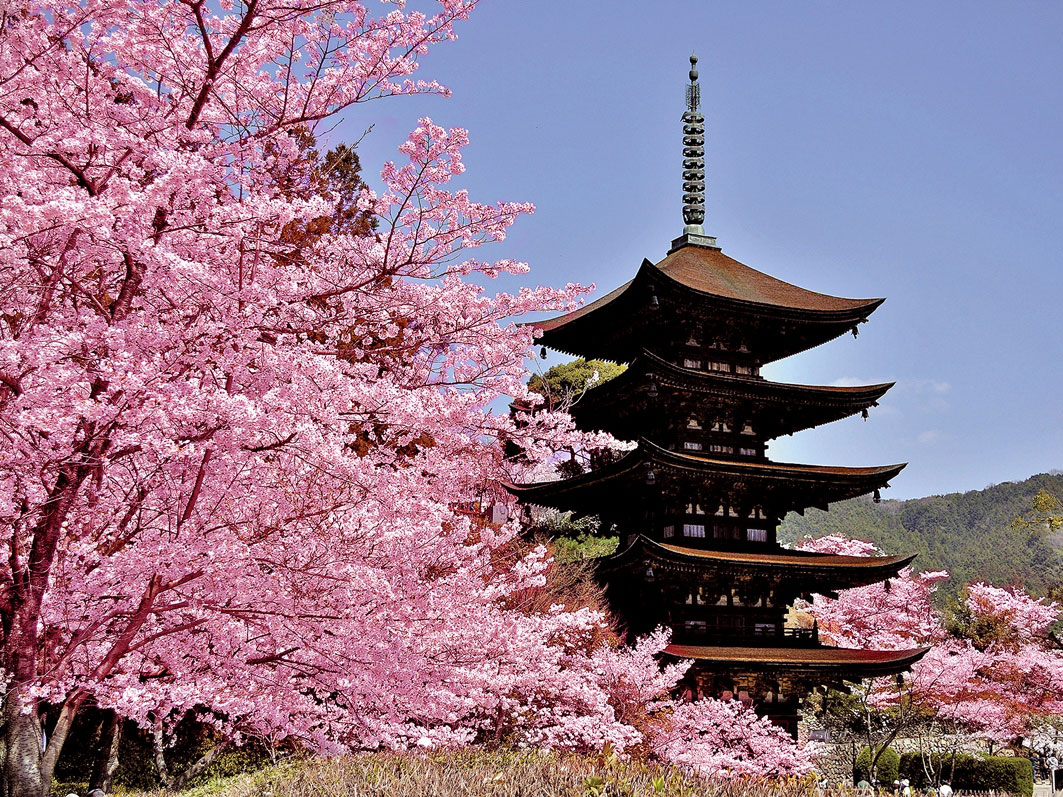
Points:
(565, 383)
(885, 771)
(953, 532)
(583, 546)
(972, 773)
(1047, 514)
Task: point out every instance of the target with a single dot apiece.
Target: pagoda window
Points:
(692, 423)
(746, 370)
(747, 452)
(720, 449)
(692, 445)
(719, 365)
(747, 428)
(757, 535)
(691, 363)
(695, 626)
(668, 531)
(764, 629)
(693, 529)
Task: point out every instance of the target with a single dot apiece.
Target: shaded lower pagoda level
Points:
(727, 611)
(697, 502)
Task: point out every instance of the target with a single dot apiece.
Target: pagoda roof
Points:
(708, 270)
(804, 406)
(854, 663)
(804, 485)
(829, 572)
(702, 279)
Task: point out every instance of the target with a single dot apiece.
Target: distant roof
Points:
(787, 557)
(808, 485)
(827, 572)
(824, 656)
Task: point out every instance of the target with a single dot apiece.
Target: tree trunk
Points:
(106, 762)
(21, 773)
(200, 766)
(158, 747)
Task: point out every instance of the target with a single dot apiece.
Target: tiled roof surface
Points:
(817, 656)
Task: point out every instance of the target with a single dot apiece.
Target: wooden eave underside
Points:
(826, 572)
(839, 662)
(710, 286)
(805, 406)
(805, 485)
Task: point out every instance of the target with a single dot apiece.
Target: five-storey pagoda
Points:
(697, 503)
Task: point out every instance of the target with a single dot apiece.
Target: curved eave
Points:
(713, 275)
(824, 403)
(843, 662)
(770, 470)
(828, 568)
(842, 482)
(725, 285)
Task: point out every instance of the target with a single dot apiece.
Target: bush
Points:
(973, 773)
(885, 772)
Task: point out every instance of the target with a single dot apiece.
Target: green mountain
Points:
(969, 534)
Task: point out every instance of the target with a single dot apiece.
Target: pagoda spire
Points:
(693, 168)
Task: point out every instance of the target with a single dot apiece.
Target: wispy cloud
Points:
(929, 437)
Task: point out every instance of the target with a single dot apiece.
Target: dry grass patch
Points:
(478, 773)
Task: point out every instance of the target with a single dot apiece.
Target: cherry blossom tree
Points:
(726, 739)
(991, 673)
(241, 433)
(235, 453)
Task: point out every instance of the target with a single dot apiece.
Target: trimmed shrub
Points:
(885, 772)
(973, 773)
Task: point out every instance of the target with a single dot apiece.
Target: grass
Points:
(478, 773)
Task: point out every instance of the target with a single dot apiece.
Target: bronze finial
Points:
(693, 169)
(693, 155)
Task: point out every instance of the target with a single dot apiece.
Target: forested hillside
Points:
(969, 534)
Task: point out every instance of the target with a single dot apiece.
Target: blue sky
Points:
(907, 150)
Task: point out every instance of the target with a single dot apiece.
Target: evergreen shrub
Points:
(887, 770)
(973, 773)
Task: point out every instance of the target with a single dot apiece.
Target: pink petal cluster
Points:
(894, 615)
(725, 739)
(1027, 617)
(997, 691)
